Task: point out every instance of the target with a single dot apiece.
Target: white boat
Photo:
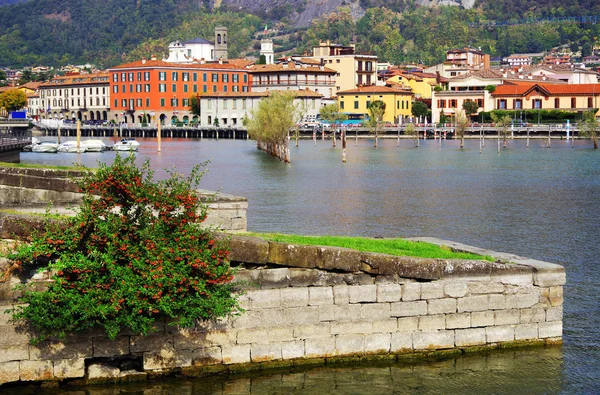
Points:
(45, 147)
(93, 145)
(71, 147)
(127, 144)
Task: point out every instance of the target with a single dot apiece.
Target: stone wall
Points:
(307, 305)
(31, 190)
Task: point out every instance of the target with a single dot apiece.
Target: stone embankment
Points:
(313, 305)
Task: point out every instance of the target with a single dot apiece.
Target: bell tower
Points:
(220, 43)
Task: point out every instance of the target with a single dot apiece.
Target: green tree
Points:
(133, 255)
(375, 121)
(13, 99)
(332, 114)
(419, 109)
(271, 122)
(589, 127)
(412, 131)
(502, 123)
(470, 107)
(461, 125)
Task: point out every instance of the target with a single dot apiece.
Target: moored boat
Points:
(126, 144)
(71, 147)
(45, 147)
(93, 145)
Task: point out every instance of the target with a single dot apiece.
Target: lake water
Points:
(538, 202)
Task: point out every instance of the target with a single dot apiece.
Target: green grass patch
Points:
(397, 247)
(37, 166)
(35, 214)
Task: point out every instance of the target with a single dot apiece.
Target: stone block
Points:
(274, 278)
(337, 258)
(497, 334)
(430, 323)
(293, 255)
(265, 298)
(5, 316)
(433, 290)
(389, 292)
(9, 372)
(320, 295)
(460, 320)
(301, 315)
(294, 297)
(98, 372)
(441, 306)
(550, 329)
(512, 274)
(532, 315)
(378, 343)
(482, 318)
(408, 324)
(340, 294)
(248, 249)
(521, 301)
(69, 368)
(549, 278)
(292, 350)
(485, 288)
(237, 353)
(456, 289)
(259, 318)
(13, 353)
(351, 327)
(411, 292)
(303, 277)
(401, 341)
(462, 269)
(167, 358)
(36, 370)
(470, 337)
(150, 343)
(206, 356)
(362, 293)
(312, 331)
(389, 325)
(349, 344)
(265, 335)
(104, 347)
(60, 350)
(554, 313)
(132, 376)
(320, 347)
(507, 317)
(265, 352)
(247, 279)
(14, 335)
(526, 331)
(189, 339)
(375, 311)
(408, 309)
(433, 340)
(497, 302)
(473, 303)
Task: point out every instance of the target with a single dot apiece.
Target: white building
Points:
(190, 51)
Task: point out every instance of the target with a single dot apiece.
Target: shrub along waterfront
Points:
(134, 253)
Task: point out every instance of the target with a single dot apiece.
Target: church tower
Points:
(266, 49)
(220, 43)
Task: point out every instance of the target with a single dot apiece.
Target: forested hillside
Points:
(109, 32)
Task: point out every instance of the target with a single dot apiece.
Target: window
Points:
(162, 75)
(556, 102)
(123, 102)
(174, 88)
(225, 77)
(138, 87)
(130, 77)
(195, 88)
(245, 78)
(235, 78)
(502, 104)
(368, 103)
(138, 102)
(195, 76)
(185, 88)
(115, 77)
(214, 88)
(360, 65)
(174, 102)
(236, 88)
(244, 104)
(590, 102)
(573, 102)
(147, 102)
(185, 77)
(162, 87)
(162, 101)
(185, 102)
(225, 88)
(234, 106)
(518, 104)
(174, 76)
(115, 88)
(356, 104)
(225, 104)
(116, 103)
(341, 105)
(130, 88)
(215, 77)
(139, 75)
(146, 76)
(146, 87)
(204, 88)
(537, 103)
(123, 77)
(203, 77)
(244, 89)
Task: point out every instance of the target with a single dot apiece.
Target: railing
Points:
(14, 139)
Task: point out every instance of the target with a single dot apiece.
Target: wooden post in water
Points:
(315, 137)
(58, 135)
(356, 142)
(158, 134)
(343, 146)
(78, 135)
(527, 137)
(398, 144)
(549, 143)
(498, 140)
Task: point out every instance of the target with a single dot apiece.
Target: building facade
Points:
(398, 102)
(148, 90)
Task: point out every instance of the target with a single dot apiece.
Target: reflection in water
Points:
(536, 202)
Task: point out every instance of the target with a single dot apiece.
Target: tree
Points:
(331, 114)
(411, 131)
(470, 107)
(133, 255)
(490, 88)
(589, 127)
(13, 99)
(271, 122)
(262, 59)
(419, 109)
(462, 123)
(502, 122)
(375, 121)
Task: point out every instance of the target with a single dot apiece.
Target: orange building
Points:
(143, 91)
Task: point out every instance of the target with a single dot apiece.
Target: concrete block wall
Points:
(294, 314)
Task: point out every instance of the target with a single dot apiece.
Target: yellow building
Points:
(398, 102)
(422, 84)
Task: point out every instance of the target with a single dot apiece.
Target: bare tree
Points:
(411, 131)
(589, 127)
(462, 123)
(375, 121)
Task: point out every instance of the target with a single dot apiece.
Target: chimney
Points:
(143, 60)
(153, 57)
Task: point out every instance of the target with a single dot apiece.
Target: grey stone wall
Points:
(308, 304)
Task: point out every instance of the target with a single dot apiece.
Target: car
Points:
(519, 123)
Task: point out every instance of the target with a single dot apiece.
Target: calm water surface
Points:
(538, 202)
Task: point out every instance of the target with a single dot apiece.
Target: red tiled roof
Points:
(289, 67)
(235, 65)
(78, 79)
(300, 93)
(523, 88)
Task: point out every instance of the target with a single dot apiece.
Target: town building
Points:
(422, 84)
(517, 60)
(291, 75)
(230, 108)
(77, 96)
(190, 51)
(352, 69)
(398, 101)
(461, 61)
(147, 90)
(521, 95)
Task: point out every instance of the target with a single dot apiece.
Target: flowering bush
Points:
(134, 253)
